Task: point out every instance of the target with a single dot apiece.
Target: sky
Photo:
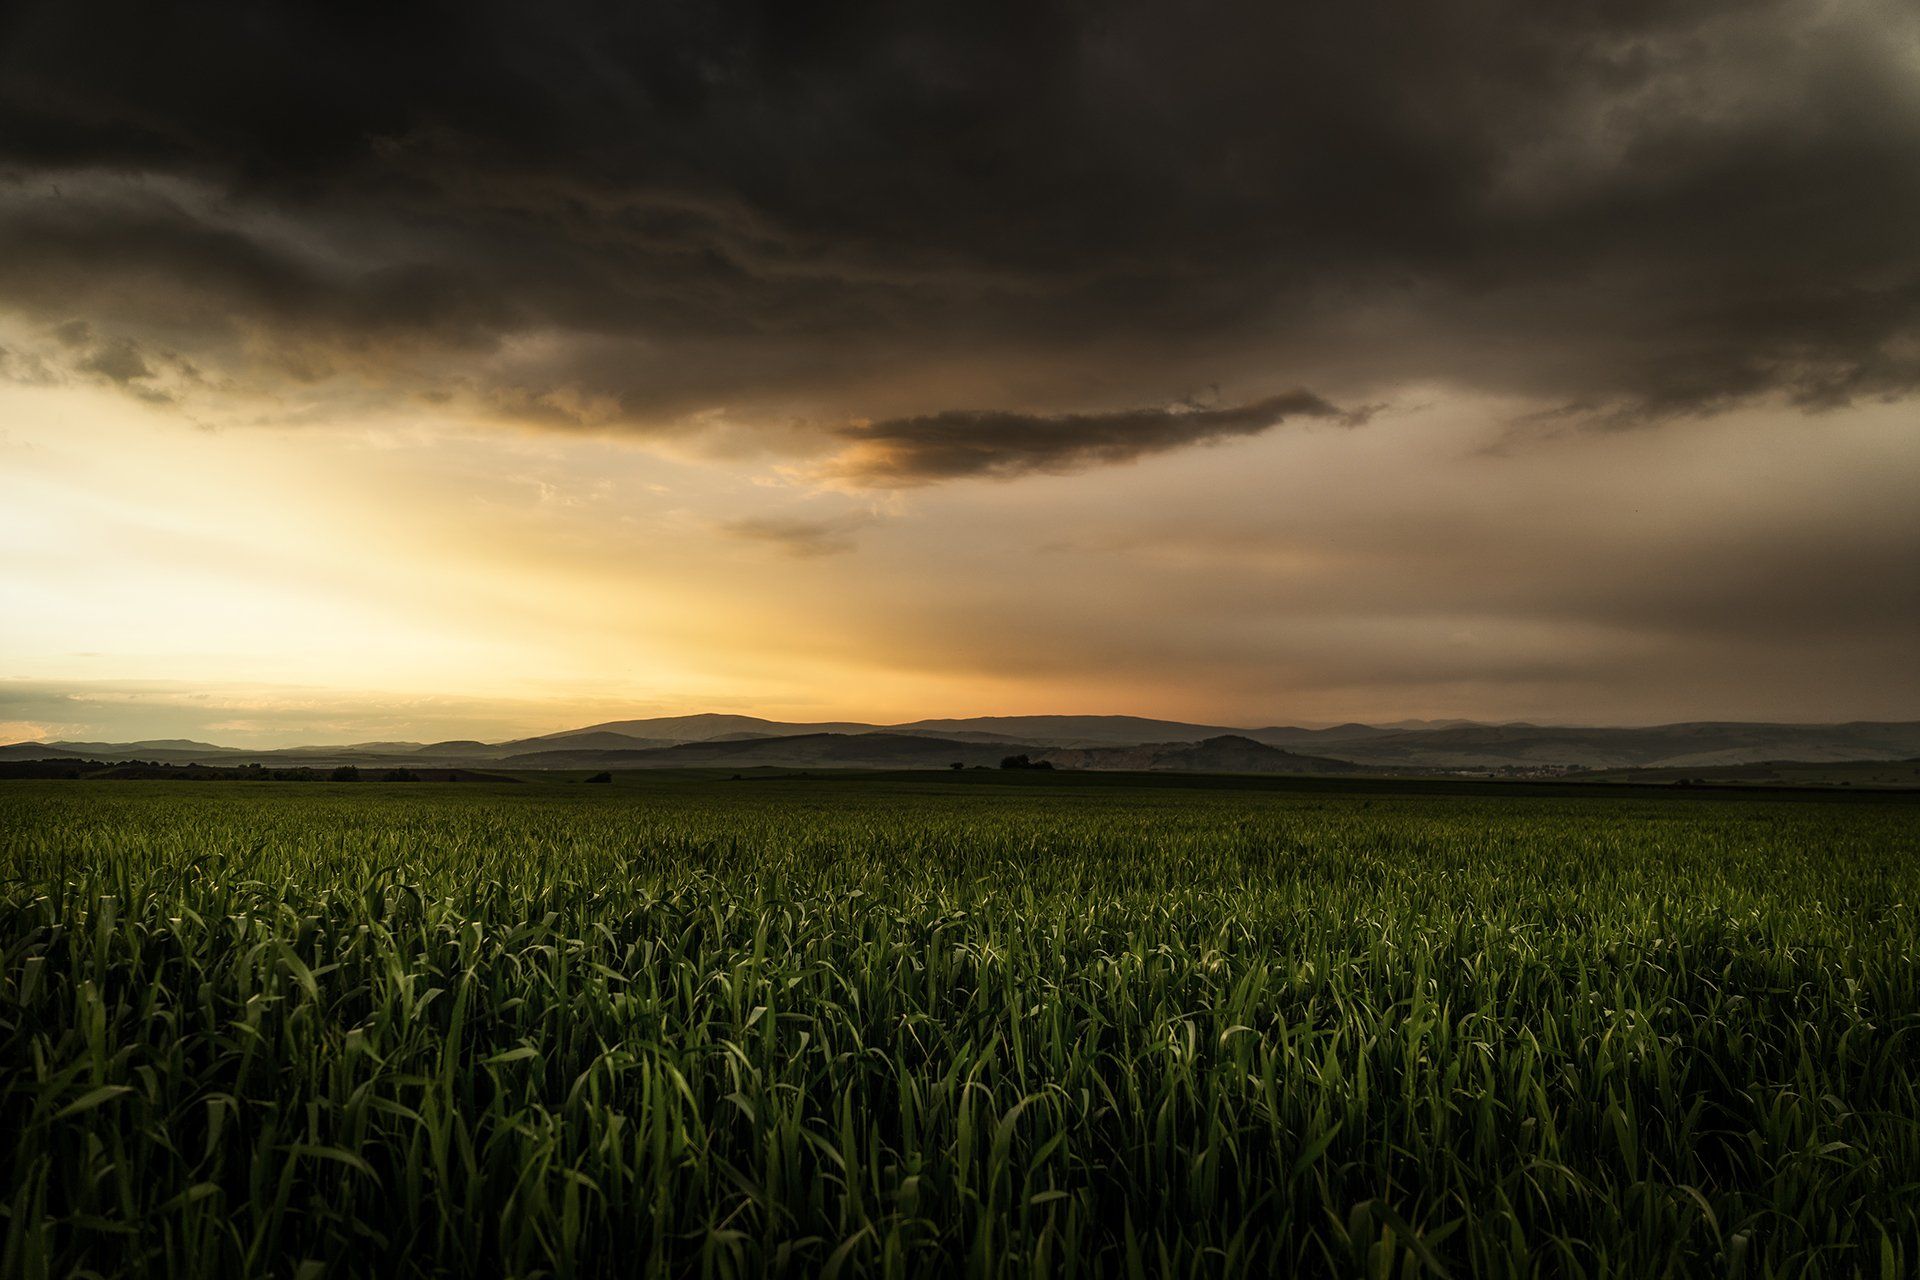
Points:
(487, 370)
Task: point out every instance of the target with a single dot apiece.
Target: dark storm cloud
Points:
(643, 217)
(904, 452)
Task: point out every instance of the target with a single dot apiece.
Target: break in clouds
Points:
(916, 244)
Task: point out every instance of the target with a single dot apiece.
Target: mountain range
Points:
(1076, 742)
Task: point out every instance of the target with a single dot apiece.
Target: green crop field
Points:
(913, 1027)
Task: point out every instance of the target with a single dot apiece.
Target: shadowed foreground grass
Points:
(794, 1029)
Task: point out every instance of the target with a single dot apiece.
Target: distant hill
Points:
(740, 741)
(1220, 754)
(1228, 753)
(190, 754)
(701, 728)
(145, 744)
(1071, 730)
(1294, 736)
(38, 751)
(798, 751)
(1026, 730)
(585, 740)
(1036, 731)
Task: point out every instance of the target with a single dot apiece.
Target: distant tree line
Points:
(158, 769)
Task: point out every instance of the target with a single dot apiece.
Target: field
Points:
(911, 1027)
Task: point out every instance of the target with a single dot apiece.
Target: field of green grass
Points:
(905, 1027)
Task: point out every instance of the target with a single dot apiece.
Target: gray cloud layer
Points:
(655, 217)
(799, 536)
(903, 452)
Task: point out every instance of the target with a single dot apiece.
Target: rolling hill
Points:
(797, 751)
(704, 727)
(1089, 742)
(1054, 731)
(1221, 754)
(1227, 753)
